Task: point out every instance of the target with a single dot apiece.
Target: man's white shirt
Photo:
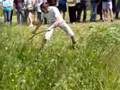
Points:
(52, 14)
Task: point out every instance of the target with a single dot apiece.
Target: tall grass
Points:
(93, 65)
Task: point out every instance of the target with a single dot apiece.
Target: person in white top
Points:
(30, 5)
(7, 6)
(55, 20)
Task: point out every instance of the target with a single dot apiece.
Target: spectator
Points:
(78, 10)
(38, 9)
(117, 9)
(0, 8)
(93, 10)
(52, 2)
(62, 7)
(99, 9)
(19, 6)
(82, 7)
(114, 5)
(7, 10)
(107, 9)
(72, 10)
(12, 5)
(30, 5)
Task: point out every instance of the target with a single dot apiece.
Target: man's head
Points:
(44, 7)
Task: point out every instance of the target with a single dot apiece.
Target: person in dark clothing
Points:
(99, 9)
(7, 6)
(19, 10)
(117, 9)
(62, 7)
(11, 17)
(78, 10)
(114, 5)
(82, 6)
(93, 10)
(72, 10)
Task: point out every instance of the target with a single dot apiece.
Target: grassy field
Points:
(93, 65)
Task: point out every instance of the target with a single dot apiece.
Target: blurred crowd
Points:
(27, 11)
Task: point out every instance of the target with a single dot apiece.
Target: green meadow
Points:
(94, 63)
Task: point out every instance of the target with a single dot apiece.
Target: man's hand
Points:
(38, 24)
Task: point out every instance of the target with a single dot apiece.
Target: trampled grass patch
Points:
(93, 65)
